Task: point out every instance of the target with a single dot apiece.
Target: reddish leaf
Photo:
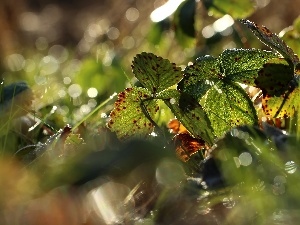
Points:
(272, 40)
(186, 146)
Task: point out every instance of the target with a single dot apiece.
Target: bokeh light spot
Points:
(132, 14)
(85, 109)
(223, 23)
(59, 52)
(113, 33)
(48, 65)
(67, 80)
(30, 65)
(92, 92)
(15, 62)
(245, 159)
(29, 21)
(128, 42)
(290, 167)
(169, 173)
(74, 90)
(165, 10)
(41, 43)
(61, 93)
(92, 103)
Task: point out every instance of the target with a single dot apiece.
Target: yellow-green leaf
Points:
(128, 118)
(155, 73)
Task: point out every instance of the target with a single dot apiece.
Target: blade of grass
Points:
(95, 110)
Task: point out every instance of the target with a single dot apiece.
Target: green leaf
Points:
(291, 36)
(238, 65)
(235, 8)
(278, 84)
(274, 77)
(272, 40)
(227, 106)
(284, 105)
(198, 77)
(242, 65)
(155, 73)
(184, 21)
(225, 102)
(128, 118)
(190, 113)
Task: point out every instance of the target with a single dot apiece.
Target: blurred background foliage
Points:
(75, 55)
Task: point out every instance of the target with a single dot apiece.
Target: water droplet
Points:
(103, 115)
(234, 132)
(54, 108)
(172, 101)
(153, 134)
(113, 95)
(204, 185)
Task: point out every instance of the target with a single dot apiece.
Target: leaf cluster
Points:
(208, 99)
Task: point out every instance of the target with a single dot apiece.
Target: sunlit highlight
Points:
(219, 25)
(165, 10)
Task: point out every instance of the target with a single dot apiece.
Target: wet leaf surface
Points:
(197, 77)
(242, 65)
(233, 107)
(212, 82)
(272, 40)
